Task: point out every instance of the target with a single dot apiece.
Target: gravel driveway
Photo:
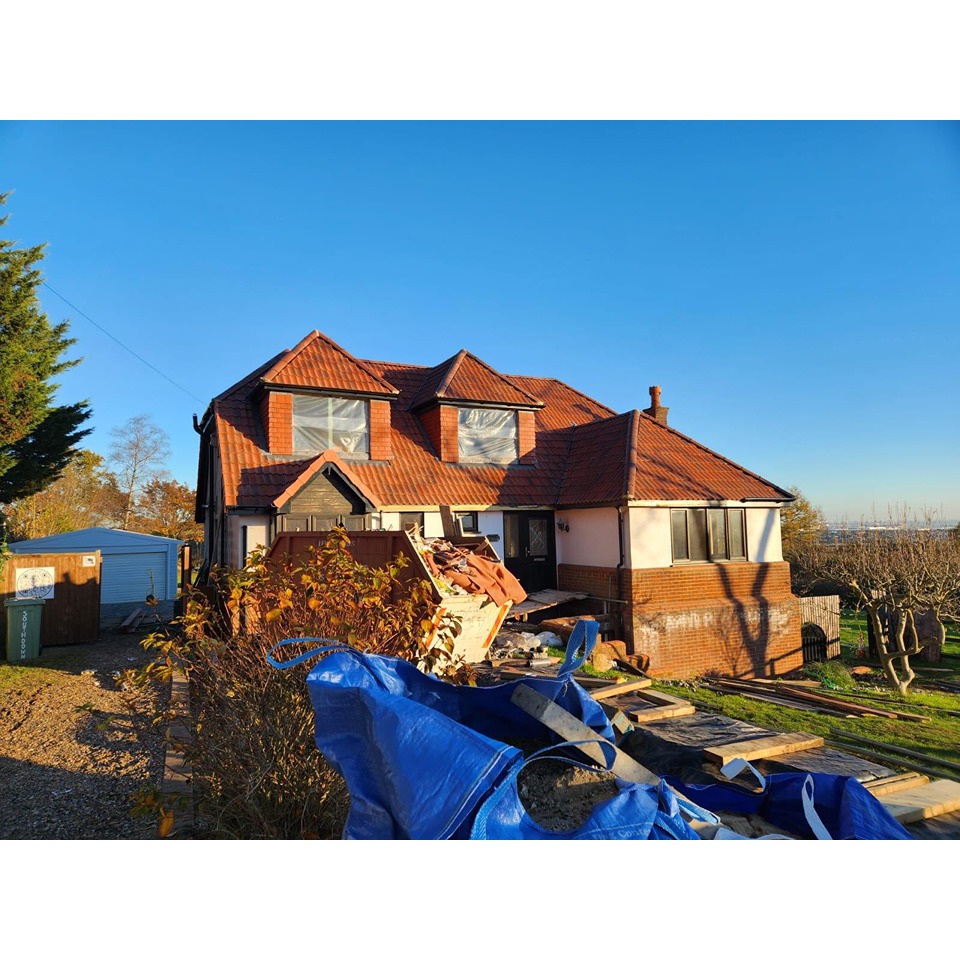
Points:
(66, 774)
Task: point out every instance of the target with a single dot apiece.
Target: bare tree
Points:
(138, 452)
(895, 571)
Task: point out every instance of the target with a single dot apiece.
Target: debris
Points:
(761, 747)
(924, 801)
(567, 726)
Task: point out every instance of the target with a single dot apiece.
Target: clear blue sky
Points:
(793, 287)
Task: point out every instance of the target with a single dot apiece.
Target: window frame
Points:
(362, 454)
(473, 519)
(466, 410)
(734, 519)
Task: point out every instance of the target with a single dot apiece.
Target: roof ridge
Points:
(313, 337)
(457, 359)
(500, 376)
(633, 450)
(254, 375)
(566, 386)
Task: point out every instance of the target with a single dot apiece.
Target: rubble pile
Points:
(461, 568)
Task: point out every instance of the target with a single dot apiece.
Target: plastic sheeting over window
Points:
(487, 436)
(324, 423)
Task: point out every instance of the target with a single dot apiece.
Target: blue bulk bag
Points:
(420, 755)
(638, 811)
(846, 809)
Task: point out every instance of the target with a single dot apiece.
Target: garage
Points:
(134, 566)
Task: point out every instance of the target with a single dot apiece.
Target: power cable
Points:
(121, 343)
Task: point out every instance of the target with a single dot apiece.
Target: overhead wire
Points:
(121, 343)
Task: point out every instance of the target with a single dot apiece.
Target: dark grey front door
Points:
(530, 549)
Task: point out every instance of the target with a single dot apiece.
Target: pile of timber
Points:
(919, 794)
(625, 701)
(800, 697)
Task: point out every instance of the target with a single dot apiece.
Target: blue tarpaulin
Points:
(424, 759)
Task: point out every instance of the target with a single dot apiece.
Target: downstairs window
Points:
(710, 534)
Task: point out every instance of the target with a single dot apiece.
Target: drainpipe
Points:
(620, 566)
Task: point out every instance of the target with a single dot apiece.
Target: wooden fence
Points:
(69, 585)
(820, 617)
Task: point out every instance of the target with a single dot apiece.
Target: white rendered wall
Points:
(649, 545)
(593, 539)
(490, 524)
(763, 535)
(257, 526)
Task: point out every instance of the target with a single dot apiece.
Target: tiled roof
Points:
(320, 363)
(466, 378)
(317, 464)
(585, 453)
(671, 466)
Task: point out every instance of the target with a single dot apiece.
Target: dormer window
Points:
(331, 423)
(487, 436)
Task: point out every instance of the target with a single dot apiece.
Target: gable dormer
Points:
(473, 414)
(318, 397)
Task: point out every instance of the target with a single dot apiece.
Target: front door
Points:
(530, 549)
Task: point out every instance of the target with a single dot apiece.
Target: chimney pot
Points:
(655, 410)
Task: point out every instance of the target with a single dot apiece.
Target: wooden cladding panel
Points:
(72, 615)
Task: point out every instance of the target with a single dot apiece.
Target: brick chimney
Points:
(655, 410)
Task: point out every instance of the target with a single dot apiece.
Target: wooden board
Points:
(644, 706)
(619, 689)
(649, 713)
(899, 781)
(932, 799)
(762, 747)
(566, 725)
(544, 600)
(600, 687)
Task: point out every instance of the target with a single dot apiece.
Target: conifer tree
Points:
(37, 438)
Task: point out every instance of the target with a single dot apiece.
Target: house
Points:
(682, 542)
(135, 566)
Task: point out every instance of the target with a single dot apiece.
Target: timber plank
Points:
(566, 725)
(932, 799)
(899, 781)
(648, 714)
(761, 747)
(613, 689)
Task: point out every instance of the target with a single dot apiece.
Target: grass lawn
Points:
(939, 737)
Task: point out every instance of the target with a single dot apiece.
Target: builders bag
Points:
(420, 755)
(638, 811)
(842, 808)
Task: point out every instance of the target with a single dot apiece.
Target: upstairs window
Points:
(325, 423)
(487, 436)
(702, 535)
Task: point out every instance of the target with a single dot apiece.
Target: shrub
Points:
(832, 674)
(257, 772)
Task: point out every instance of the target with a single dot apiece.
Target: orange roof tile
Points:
(466, 378)
(585, 453)
(319, 363)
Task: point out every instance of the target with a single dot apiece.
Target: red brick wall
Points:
(276, 415)
(440, 422)
(735, 619)
(527, 435)
(380, 445)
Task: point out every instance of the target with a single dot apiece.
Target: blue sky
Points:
(793, 287)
